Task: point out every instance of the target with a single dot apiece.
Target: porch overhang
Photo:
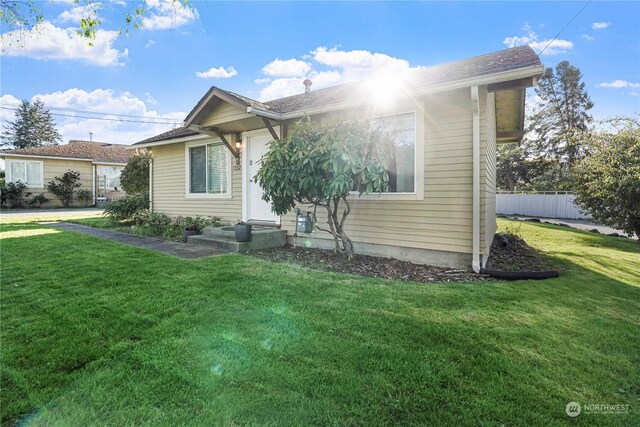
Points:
(510, 99)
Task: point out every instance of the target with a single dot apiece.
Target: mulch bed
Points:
(517, 255)
(364, 265)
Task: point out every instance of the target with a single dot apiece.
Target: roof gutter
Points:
(170, 141)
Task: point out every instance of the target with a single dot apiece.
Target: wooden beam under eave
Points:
(216, 132)
(510, 85)
(272, 131)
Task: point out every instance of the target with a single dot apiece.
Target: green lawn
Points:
(95, 333)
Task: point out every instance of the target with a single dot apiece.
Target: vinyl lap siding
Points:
(169, 188)
(442, 221)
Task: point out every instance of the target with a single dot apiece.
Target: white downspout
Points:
(151, 184)
(94, 185)
(475, 260)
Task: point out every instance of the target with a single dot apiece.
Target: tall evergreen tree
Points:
(561, 115)
(33, 127)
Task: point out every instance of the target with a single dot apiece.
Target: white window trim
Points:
(418, 185)
(187, 170)
(9, 178)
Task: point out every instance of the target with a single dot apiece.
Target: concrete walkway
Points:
(53, 213)
(180, 250)
(580, 224)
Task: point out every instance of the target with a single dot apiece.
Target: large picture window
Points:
(401, 128)
(29, 173)
(208, 170)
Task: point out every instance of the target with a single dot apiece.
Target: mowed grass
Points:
(98, 333)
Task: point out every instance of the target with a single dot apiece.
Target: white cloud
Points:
(46, 41)
(217, 73)
(357, 64)
(600, 25)
(76, 13)
(327, 67)
(9, 101)
(587, 37)
(150, 43)
(103, 100)
(555, 47)
(167, 14)
(618, 84)
(286, 68)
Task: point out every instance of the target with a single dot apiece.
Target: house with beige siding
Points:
(99, 165)
(446, 122)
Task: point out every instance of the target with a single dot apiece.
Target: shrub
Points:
(156, 224)
(123, 210)
(151, 223)
(85, 197)
(39, 200)
(15, 192)
(135, 175)
(63, 187)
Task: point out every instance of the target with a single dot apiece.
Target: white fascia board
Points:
(35, 156)
(171, 141)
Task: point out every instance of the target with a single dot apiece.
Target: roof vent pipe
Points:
(307, 85)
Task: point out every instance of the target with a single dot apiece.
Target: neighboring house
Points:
(99, 165)
(447, 120)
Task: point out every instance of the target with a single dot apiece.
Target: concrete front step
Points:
(224, 238)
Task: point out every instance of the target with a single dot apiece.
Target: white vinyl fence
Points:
(541, 204)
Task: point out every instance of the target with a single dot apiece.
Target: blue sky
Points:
(264, 50)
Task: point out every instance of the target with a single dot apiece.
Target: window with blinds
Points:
(208, 169)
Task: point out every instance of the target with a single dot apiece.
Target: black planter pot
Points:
(243, 232)
(187, 233)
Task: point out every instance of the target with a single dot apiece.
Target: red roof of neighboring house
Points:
(76, 149)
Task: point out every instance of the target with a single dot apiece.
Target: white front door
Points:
(256, 209)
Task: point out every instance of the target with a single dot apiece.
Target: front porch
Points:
(224, 238)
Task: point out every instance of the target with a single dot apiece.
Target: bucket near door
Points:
(243, 232)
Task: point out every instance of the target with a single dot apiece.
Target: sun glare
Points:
(384, 89)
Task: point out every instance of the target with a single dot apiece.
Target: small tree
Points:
(33, 127)
(135, 175)
(608, 181)
(63, 187)
(320, 165)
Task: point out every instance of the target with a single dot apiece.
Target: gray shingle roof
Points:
(180, 132)
(478, 66)
(491, 63)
